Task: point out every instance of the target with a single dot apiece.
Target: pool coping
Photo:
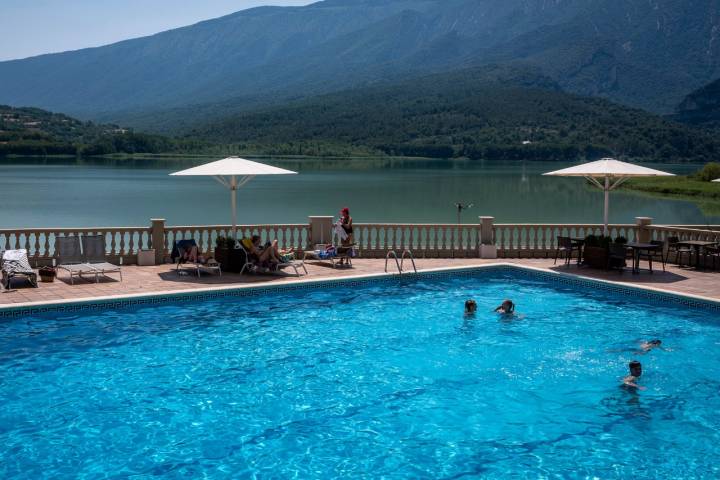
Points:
(218, 291)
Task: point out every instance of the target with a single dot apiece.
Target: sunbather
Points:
(269, 253)
(190, 254)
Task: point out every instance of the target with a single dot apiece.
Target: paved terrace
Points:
(164, 278)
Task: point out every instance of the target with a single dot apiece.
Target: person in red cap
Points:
(346, 224)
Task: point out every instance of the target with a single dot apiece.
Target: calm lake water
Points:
(68, 193)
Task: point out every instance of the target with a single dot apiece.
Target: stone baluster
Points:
(488, 246)
(644, 228)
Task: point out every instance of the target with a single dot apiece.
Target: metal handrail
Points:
(412, 259)
(394, 255)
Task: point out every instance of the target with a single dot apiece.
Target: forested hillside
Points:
(466, 114)
(701, 107)
(31, 131)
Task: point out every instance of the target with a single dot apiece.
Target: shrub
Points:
(709, 172)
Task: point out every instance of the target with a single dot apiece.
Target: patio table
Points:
(637, 247)
(697, 245)
(580, 243)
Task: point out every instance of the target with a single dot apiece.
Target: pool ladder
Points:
(400, 263)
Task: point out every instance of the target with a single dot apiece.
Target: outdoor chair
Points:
(68, 257)
(714, 253)
(657, 255)
(673, 247)
(179, 254)
(14, 263)
(93, 249)
(616, 256)
(566, 247)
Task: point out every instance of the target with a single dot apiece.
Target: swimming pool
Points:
(382, 378)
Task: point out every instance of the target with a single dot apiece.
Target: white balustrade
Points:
(288, 236)
(540, 240)
(373, 239)
(40, 242)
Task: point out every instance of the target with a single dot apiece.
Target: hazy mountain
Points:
(701, 107)
(647, 53)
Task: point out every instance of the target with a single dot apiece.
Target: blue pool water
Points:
(381, 380)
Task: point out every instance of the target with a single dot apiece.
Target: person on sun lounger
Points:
(270, 253)
(190, 254)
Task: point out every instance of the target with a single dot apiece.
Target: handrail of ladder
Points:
(394, 255)
(412, 259)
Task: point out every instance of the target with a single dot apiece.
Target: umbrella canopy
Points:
(614, 173)
(233, 173)
(716, 180)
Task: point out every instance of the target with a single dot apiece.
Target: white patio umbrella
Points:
(614, 173)
(716, 180)
(233, 173)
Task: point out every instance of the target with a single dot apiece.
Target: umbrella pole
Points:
(607, 204)
(233, 201)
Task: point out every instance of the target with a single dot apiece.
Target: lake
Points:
(104, 192)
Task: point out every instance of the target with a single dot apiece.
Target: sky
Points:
(34, 27)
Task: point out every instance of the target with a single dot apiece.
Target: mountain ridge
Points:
(639, 52)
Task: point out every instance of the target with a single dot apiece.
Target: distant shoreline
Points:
(706, 195)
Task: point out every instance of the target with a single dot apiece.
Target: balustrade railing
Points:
(373, 239)
(663, 232)
(288, 236)
(425, 240)
(40, 242)
(525, 239)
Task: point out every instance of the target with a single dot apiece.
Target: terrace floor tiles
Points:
(164, 278)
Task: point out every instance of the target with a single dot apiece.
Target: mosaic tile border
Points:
(474, 271)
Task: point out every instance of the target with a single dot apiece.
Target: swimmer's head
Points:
(508, 306)
(470, 306)
(635, 368)
(655, 343)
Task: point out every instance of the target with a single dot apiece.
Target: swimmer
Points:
(470, 307)
(507, 308)
(647, 346)
(635, 373)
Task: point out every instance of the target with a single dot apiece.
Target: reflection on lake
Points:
(68, 193)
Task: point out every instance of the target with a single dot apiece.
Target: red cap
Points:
(345, 210)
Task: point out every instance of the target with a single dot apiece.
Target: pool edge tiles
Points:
(217, 292)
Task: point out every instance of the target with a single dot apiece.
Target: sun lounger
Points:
(69, 258)
(251, 266)
(93, 250)
(178, 253)
(331, 253)
(15, 263)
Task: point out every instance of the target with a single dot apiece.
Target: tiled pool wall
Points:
(74, 307)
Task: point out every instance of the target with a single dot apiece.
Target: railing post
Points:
(488, 249)
(157, 238)
(643, 229)
(320, 230)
